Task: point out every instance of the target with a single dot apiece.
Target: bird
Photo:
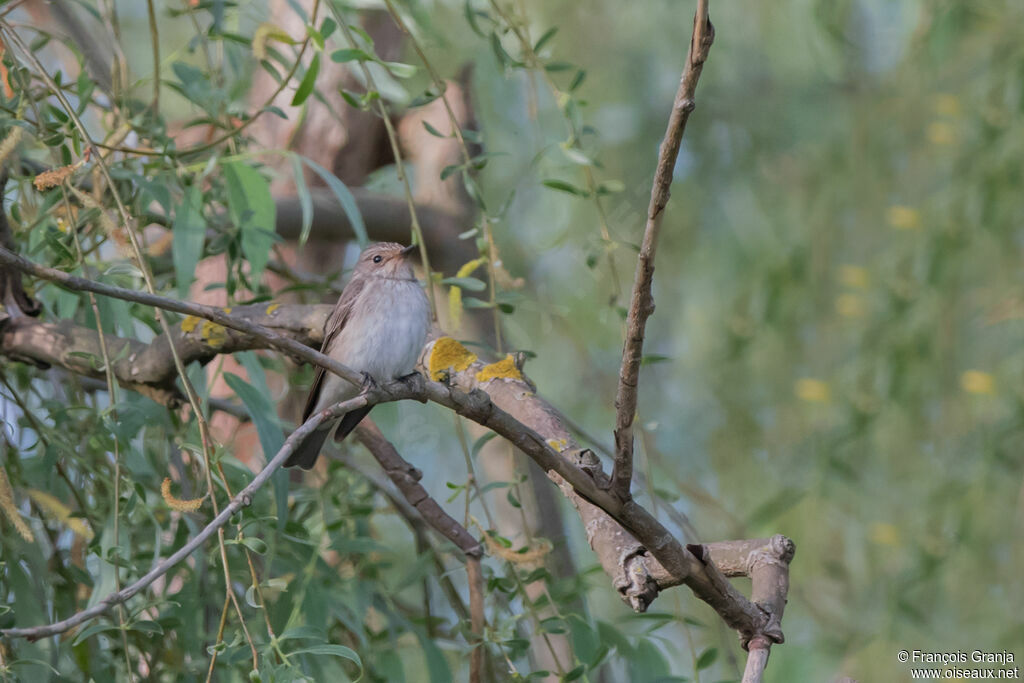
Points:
(378, 328)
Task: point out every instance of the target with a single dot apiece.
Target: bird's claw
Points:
(369, 384)
(414, 381)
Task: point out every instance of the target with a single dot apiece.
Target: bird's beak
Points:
(411, 249)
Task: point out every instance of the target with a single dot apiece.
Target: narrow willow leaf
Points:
(189, 234)
(305, 200)
(345, 198)
(251, 208)
(308, 81)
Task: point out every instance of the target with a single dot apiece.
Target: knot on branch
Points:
(586, 460)
(636, 585)
(778, 551)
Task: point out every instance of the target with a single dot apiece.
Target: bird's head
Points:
(386, 259)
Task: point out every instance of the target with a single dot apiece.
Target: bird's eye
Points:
(378, 258)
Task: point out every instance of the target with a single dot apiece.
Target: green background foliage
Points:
(836, 353)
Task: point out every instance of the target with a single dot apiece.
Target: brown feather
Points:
(335, 323)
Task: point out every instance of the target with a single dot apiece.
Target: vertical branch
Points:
(642, 302)
(476, 617)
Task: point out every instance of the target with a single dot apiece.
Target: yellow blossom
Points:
(856, 277)
(903, 217)
(977, 382)
(813, 390)
(850, 306)
(947, 105)
(941, 133)
(883, 533)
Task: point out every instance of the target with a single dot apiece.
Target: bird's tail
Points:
(305, 454)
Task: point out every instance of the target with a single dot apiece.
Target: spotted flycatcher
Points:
(378, 327)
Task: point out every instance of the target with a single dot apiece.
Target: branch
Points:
(243, 499)
(641, 304)
(407, 479)
(149, 368)
(581, 474)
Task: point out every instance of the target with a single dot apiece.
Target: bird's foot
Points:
(369, 384)
(414, 381)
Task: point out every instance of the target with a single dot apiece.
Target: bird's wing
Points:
(339, 316)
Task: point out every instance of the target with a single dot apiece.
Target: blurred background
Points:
(837, 353)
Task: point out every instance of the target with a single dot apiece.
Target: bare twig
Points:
(642, 302)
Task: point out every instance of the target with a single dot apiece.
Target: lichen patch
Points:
(503, 369)
(448, 355)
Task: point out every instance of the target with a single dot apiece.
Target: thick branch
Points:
(642, 302)
(149, 368)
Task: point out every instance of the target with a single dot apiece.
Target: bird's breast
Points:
(387, 330)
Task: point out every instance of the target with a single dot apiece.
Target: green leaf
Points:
(251, 208)
(333, 650)
(147, 626)
(308, 81)
(350, 54)
(189, 234)
(575, 673)
(470, 284)
(577, 80)
(707, 658)
(400, 70)
(563, 186)
(433, 131)
(504, 59)
(345, 198)
(543, 40)
(257, 545)
(555, 67)
(262, 412)
(611, 187)
(447, 171)
(91, 631)
(305, 200)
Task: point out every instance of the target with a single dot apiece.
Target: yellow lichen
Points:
(61, 512)
(177, 503)
(189, 324)
(503, 369)
(213, 334)
(558, 444)
(227, 309)
(449, 355)
(10, 509)
(272, 307)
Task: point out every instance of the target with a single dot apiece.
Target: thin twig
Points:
(642, 302)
